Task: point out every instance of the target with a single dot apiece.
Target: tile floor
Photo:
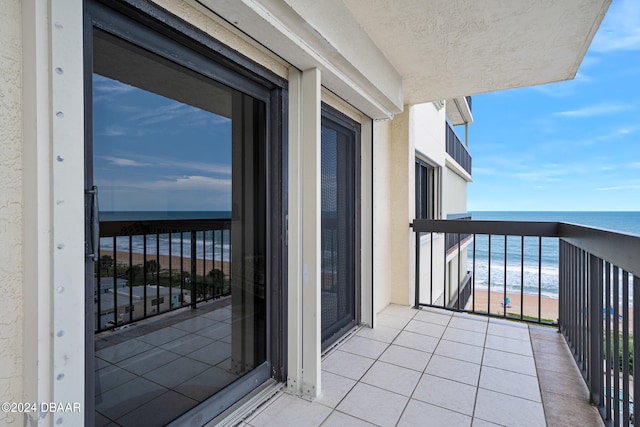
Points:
(151, 373)
(437, 368)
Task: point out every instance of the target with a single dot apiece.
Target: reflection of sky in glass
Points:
(152, 153)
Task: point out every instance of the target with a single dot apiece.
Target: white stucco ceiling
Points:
(449, 48)
(380, 55)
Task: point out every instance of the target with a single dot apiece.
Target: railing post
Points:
(636, 343)
(595, 330)
(417, 268)
(193, 269)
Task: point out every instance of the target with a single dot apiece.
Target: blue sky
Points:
(567, 146)
(152, 153)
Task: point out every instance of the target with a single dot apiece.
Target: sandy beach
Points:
(202, 267)
(548, 306)
(529, 305)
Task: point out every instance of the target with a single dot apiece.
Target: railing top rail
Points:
(621, 249)
(511, 228)
(125, 228)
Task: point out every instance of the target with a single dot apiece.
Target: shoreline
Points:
(548, 308)
(203, 267)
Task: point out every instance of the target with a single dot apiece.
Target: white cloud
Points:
(620, 29)
(594, 110)
(120, 161)
(113, 130)
(620, 187)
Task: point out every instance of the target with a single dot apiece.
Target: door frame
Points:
(147, 25)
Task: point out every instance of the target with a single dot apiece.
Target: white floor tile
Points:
(292, 411)
(393, 378)
(465, 337)
(373, 404)
(380, 333)
(364, 347)
(425, 328)
(453, 369)
(338, 419)
(509, 361)
(468, 324)
(391, 321)
(508, 410)
(508, 382)
(347, 364)
(334, 388)
(424, 414)
(406, 357)
(455, 350)
(404, 311)
(509, 344)
(439, 317)
(446, 393)
(508, 331)
(416, 341)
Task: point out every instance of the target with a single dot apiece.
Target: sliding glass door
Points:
(178, 165)
(340, 224)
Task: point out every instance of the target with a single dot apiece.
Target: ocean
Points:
(210, 244)
(528, 277)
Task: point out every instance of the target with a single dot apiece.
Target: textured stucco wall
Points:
(11, 273)
(382, 214)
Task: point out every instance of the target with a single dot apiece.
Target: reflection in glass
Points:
(180, 285)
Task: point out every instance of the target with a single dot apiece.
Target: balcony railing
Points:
(468, 98)
(457, 150)
(151, 267)
(595, 275)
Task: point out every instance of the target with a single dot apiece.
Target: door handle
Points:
(94, 224)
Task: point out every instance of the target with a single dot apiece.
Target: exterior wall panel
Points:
(11, 209)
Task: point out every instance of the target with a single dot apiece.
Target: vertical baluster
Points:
(489, 277)
(521, 277)
(459, 261)
(194, 255)
(170, 272)
(595, 329)
(616, 345)
(539, 279)
(636, 343)
(130, 278)
(430, 270)
(625, 346)
(504, 293)
(417, 272)
(473, 277)
(607, 339)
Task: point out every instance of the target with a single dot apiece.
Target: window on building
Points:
(426, 194)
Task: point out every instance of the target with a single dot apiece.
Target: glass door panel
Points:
(178, 161)
(339, 245)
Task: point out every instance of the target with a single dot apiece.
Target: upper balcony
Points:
(457, 150)
(459, 110)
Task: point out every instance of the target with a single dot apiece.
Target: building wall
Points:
(383, 212)
(455, 201)
(11, 202)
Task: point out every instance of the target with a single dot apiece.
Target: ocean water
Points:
(210, 244)
(532, 264)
